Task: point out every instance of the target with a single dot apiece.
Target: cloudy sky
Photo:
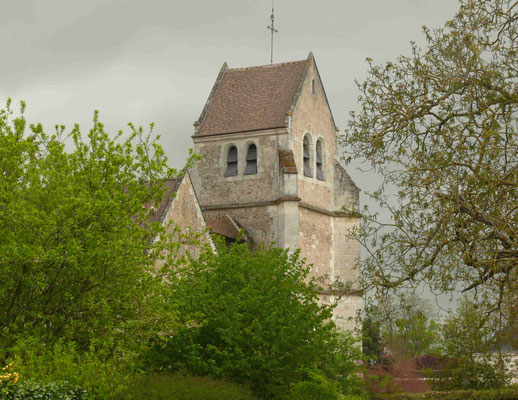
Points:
(156, 61)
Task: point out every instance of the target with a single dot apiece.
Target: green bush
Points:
(180, 387)
(317, 387)
(32, 390)
(100, 370)
(252, 317)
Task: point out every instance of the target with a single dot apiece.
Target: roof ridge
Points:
(267, 65)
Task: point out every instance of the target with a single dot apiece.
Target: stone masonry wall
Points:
(315, 241)
(186, 214)
(215, 189)
(312, 116)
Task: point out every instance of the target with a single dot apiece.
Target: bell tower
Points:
(268, 143)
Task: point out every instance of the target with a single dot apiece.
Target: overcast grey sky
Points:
(144, 61)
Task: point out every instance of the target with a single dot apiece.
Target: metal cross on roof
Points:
(272, 29)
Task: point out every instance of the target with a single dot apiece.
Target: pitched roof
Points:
(223, 225)
(251, 99)
(170, 187)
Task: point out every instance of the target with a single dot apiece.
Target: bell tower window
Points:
(306, 156)
(251, 160)
(231, 162)
(320, 162)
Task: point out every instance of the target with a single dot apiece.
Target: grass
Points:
(181, 387)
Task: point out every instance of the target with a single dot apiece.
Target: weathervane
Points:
(272, 29)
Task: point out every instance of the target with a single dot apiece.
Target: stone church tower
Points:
(269, 147)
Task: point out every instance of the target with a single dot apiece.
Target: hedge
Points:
(46, 391)
(494, 394)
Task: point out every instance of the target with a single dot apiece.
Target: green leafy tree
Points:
(76, 250)
(413, 332)
(255, 318)
(372, 342)
(470, 339)
(405, 324)
(440, 126)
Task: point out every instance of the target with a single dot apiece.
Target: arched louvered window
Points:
(306, 154)
(320, 161)
(251, 160)
(231, 162)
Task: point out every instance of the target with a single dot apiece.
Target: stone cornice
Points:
(329, 212)
(239, 135)
(341, 292)
(251, 204)
(282, 199)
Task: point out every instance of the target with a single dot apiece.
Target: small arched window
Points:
(231, 162)
(306, 155)
(313, 86)
(251, 160)
(320, 161)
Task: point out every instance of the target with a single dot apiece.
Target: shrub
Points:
(180, 387)
(317, 387)
(254, 318)
(469, 340)
(32, 390)
(8, 379)
(100, 370)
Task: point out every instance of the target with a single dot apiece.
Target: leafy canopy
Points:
(75, 245)
(255, 318)
(440, 125)
(471, 340)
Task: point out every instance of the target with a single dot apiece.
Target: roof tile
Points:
(251, 99)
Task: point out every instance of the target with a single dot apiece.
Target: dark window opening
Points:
(231, 162)
(251, 160)
(320, 169)
(306, 157)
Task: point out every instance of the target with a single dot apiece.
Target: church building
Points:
(269, 166)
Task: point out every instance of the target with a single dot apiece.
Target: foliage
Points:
(8, 379)
(342, 362)
(406, 326)
(470, 340)
(76, 248)
(46, 391)
(407, 331)
(317, 387)
(412, 332)
(180, 387)
(396, 376)
(251, 317)
(372, 341)
(440, 126)
(100, 370)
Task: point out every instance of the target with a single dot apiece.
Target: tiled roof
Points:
(170, 188)
(251, 99)
(222, 225)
